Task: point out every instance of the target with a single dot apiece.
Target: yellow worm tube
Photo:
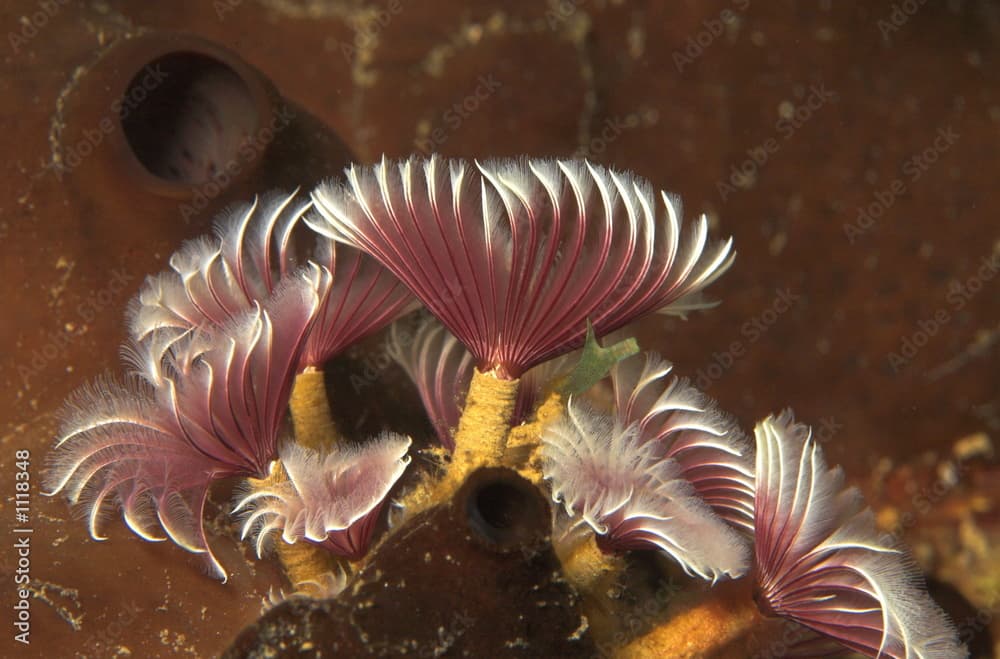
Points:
(708, 628)
(311, 417)
(595, 575)
(314, 429)
(481, 438)
(305, 562)
(524, 441)
(588, 568)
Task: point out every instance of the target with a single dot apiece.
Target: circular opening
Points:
(498, 506)
(186, 117)
(504, 510)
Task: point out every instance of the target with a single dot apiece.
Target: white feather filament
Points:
(821, 561)
(632, 498)
(514, 256)
(214, 279)
(325, 495)
(213, 407)
(685, 425)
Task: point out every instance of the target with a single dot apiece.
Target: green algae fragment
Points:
(595, 362)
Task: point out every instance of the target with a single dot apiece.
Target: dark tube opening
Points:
(186, 117)
(504, 510)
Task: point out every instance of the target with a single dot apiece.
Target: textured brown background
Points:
(598, 78)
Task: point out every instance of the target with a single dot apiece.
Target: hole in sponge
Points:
(504, 510)
(186, 117)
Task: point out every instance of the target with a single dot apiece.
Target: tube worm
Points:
(202, 405)
(212, 279)
(330, 499)
(514, 257)
(820, 560)
(633, 498)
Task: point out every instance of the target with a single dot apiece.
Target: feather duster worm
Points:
(207, 404)
(686, 426)
(633, 498)
(515, 256)
(213, 279)
(821, 561)
(332, 500)
(820, 564)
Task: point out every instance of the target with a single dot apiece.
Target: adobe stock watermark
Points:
(960, 292)
(366, 32)
(712, 29)
(101, 641)
(20, 540)
(780, 646)
(792, 116)
(750, 332)
(615, 127)
(971, 626)
(223, 7)
(913, 169)
(32, 24)
(641, 620)
(57, 344)
(374, 365)
(563, 10)
(899, 16)
(119, 110)
(246, 154)
(949, 476)
(826, 429)
(487, 85)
